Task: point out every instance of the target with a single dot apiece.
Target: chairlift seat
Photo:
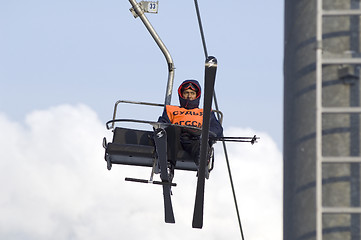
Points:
(136, 147)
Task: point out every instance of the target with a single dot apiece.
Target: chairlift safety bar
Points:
(146, 104)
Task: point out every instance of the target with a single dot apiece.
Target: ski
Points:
(209, 80)
(160, 140)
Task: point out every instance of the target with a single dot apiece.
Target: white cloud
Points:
(55, 185)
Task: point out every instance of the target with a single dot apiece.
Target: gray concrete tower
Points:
(322, 121)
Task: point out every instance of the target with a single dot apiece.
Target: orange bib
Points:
(181, 116)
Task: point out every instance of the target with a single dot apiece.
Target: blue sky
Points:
(63, 64)
(95, 52)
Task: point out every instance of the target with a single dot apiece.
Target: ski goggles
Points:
(190, 86)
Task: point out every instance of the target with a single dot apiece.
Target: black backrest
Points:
(133, 136)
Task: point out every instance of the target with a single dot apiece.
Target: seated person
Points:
(188, 114)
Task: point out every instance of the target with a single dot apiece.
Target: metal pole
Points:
(171, 68)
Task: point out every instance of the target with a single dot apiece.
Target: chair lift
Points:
(149, 148)
(137, 147)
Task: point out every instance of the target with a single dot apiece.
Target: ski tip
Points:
(170, 220)
(197, 221)
(211, 61)
(198, 225)
(211, 58)
(168, 215)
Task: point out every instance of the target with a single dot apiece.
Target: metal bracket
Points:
(146, 6)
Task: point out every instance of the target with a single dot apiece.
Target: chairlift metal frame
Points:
(149, 148)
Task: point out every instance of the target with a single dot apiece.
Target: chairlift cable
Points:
(218, 115)
(201, 28)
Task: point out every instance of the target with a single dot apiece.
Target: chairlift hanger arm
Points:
(140, 12)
